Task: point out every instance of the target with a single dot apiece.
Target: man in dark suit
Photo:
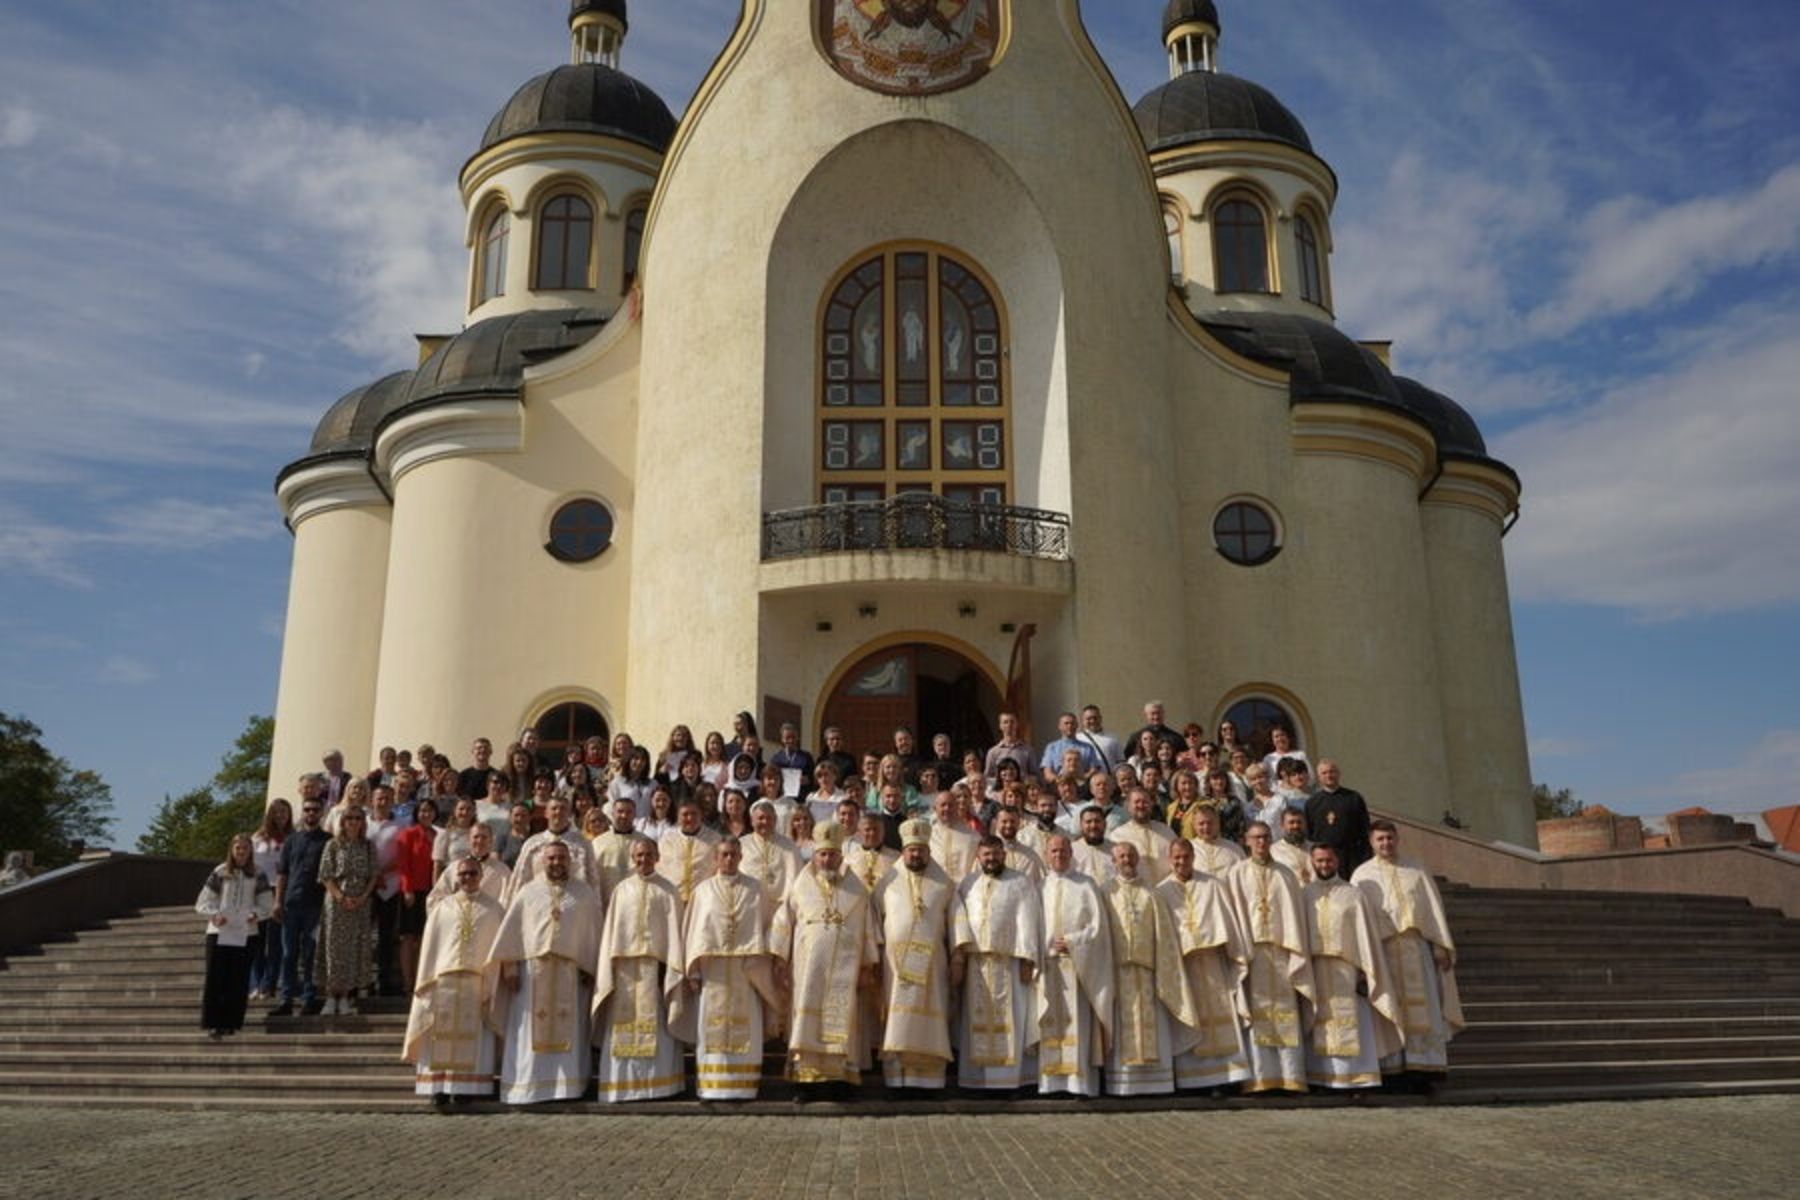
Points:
(1338, 817)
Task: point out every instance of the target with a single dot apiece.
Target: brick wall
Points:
(1590, 833)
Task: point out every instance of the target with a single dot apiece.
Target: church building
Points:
(913, 373)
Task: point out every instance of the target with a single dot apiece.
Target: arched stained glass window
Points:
(492, 251)
(913, 382)
(1312, 273)
(1240, 247)
(565, 242)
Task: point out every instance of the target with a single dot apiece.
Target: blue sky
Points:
(1583, 221)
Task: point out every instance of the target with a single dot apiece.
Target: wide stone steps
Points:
(1569, 995)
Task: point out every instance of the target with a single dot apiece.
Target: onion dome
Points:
(588, 97)
(1206, 106)
(1189, 12)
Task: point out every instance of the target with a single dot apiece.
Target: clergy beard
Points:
(1095, 841)
(993, 869)
(1294, 839)
(915, 868)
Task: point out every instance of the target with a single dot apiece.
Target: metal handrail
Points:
(915, 521)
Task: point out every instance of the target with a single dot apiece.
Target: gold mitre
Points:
(915, 833)
(829, 836)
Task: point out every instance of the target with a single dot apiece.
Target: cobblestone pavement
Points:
(1740, 1147)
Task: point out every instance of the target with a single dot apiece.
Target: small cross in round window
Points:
(1245, 534)
(580, 531)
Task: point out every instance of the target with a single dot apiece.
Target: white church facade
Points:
(913, 373)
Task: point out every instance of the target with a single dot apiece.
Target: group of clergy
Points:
(1129, 962)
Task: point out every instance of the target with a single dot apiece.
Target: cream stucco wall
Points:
(332, 641)
(1286, 182)
(523, 174)
(1484, 719)
(483, 628)
(781, 113)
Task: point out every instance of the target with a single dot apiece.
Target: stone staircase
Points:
(1572, 995)
(1569, 995)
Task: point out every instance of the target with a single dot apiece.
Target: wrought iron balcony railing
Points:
(915, 521)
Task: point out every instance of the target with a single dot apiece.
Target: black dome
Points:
(1205, 106)
(1322, 362)
(1185, 12)
(348, 424)
(607, 8)
(1457, 434)
(584, 98)
(488, 359)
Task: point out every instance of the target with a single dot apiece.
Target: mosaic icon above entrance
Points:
(910, 47)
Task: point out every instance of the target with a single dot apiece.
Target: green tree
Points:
(46, 806)
(1553, 804)
(199, 823)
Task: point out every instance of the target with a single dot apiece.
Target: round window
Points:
(580, 531)
(1245, 534)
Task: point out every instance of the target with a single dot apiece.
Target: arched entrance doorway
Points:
(928, 687)
(570, 722)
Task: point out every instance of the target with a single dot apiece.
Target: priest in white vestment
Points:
(1291, 849)
(1356, 1007)
(561, 831)
(1075, 991)
(1153, 1006)
(1213, 854)
(685, 853)
(953, 844)
(1020, 857)
(913, 903)
(1144, 833)
(548, 943)
(768, 857)
(870, 859)
(730, 1003)
(612, 849)
(640, 970)
(452, 1033)
(1092, 850)
(1266, 898)
(999, 948)
(1217, 960)
(1420, 951)
(823, 939)
(494, 872)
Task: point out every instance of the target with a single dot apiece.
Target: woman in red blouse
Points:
(412, 862)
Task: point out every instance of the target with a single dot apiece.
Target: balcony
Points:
(915, 521)
(917, 538)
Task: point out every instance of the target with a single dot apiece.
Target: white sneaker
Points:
(330, 1009)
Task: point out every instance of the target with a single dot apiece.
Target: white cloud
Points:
(1633, 254)
(57, 551)
(1429, 265)
(375, 206)
(19, 126)
(128, 672)
(1744, 785)
(1675, 492)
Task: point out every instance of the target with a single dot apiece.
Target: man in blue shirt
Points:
(1051, 765)
(299, 901)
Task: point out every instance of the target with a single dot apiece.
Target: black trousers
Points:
(227, 991)
(387, 944)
